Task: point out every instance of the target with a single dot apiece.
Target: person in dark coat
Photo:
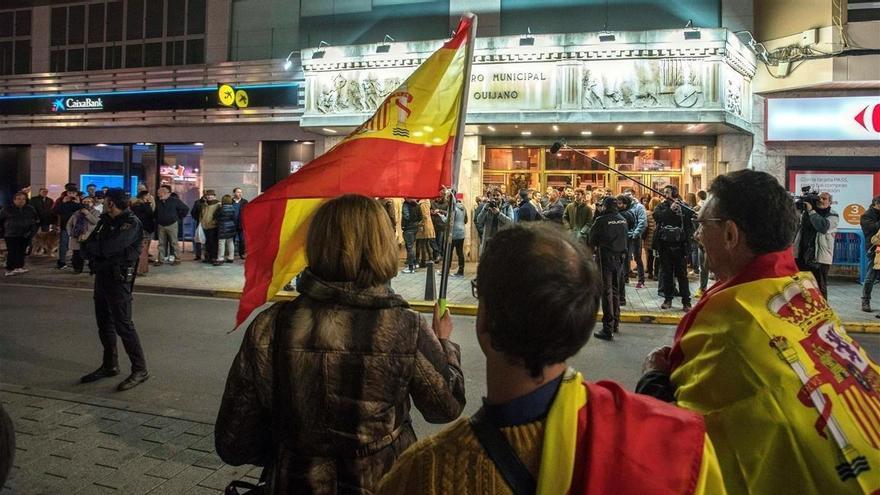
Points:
(18, 225)
(43, 205)
(410, 220)
(870, 223)
(321, 390)
(526, 212)
(170, 212)
(142, 207)
(555, 208)
(226, 230)
(238, 202)
(65, 207)
(674, 232)
(608, 237)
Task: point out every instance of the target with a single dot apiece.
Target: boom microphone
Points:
(556, 147)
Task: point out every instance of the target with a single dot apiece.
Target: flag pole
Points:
(456, 163)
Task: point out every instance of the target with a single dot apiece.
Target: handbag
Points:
(671, 234)
(199, 236)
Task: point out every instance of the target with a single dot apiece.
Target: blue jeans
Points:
(63, 244)
(409, 238)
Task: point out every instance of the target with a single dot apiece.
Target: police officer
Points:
(113, 249)
(608, 236)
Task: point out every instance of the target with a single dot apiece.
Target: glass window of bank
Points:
(131, 166)
(114, 34)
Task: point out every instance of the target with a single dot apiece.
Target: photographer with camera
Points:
(495, 214)
(672, 235)
(814, 243)
(870, 223)
(674, 232)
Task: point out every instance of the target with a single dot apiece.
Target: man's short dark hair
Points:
(701, 194)
(524, 194)
(119, 197)
(70, 186)
(166, 187)
(759, 206)
(91, 185)
(876, 201)
(539, 290)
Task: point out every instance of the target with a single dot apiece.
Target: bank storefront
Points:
(650, 103)
(213, 127)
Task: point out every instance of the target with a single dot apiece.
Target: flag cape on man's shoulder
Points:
(791, 402)
(404, 149)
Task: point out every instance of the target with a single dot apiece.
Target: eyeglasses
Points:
(474, 288)
(702, 221)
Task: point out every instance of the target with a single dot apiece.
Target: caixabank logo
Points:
(77, 104)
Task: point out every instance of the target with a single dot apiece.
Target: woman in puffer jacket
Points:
(225, 218)
(321, 390)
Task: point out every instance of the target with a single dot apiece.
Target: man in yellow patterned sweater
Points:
(791, 402)
(542, 428)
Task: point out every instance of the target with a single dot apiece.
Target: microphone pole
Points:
(562, 145)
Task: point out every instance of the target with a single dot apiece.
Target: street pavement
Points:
(194, 278)
(158, 437)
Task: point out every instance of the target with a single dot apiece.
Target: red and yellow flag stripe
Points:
(404, 149)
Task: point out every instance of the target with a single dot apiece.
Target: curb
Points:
(648, 318)
(107, 403)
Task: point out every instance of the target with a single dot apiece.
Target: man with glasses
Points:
(789, 398)
(814, 243)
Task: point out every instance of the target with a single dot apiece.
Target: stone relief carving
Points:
(733, 99)
(358, 95)
(642, 84)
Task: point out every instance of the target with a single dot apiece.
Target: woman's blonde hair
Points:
(654, 203)
(350, 240)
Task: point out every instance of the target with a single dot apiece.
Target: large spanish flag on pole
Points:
(404, 149)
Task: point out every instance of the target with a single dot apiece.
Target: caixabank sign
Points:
(266, 95)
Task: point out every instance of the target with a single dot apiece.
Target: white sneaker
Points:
(170, 259)
(20, 270)
(10, 273)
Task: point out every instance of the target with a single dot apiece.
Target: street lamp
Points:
(287, 63)
(319, 53)
(385, 47)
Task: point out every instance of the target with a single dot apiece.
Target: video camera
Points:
(807, 196)
(492, 203)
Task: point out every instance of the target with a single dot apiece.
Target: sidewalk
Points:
(201, 279)
(74, 445)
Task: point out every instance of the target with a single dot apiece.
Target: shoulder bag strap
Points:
(514, 472)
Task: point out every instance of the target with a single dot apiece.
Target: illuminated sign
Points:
(854, 118)
(77, 104)
(257, 95)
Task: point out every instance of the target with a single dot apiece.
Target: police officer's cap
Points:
(119, 197)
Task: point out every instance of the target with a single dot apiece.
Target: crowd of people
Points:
(761, 390)
(41, 225)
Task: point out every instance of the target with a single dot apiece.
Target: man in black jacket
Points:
(114, 248)
(608, 237)
(526, 212)
(674, 232)
(870, 223)
(43, 204)
(238, 202)
(169, 211)
(410, 219)
(555, 208)
(18, 224)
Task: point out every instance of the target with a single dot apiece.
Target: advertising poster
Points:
(851, 191)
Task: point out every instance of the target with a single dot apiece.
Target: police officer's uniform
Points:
(113, 248)
(609, 236)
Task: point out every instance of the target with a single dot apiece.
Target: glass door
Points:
(144, 167)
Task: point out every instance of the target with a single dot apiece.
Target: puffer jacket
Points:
(19, 222)
(321, 388)
(875, 241)
(225, 219)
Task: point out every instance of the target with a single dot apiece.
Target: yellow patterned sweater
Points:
(453, 461)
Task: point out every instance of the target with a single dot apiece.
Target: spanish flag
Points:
(404, 149)
(791, 402)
